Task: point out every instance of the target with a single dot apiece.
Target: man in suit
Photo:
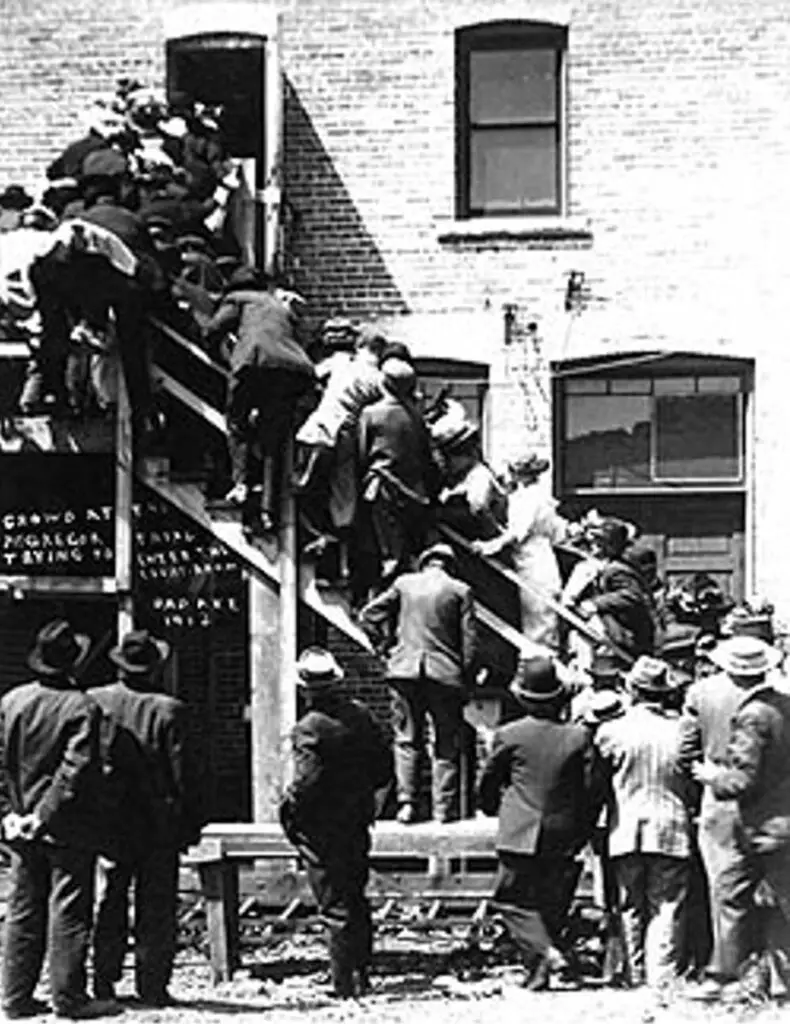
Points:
(340, 760)
(541, 778)
(650, 825)
(427, 621)
(49, 735)
(710, 705)
(754, 773)
(399, 476)
(158, 724)
(621, 600)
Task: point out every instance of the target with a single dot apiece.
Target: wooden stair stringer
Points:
(260, 557)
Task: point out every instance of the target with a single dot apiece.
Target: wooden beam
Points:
(289, 606)
(266, 730)
(189, 346)
(124, 479)
(188, 398)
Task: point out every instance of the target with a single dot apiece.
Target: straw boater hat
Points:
(437, 552)
(58, 650)
(536, 681)
(745, 656)
(604, 706)
(317, 669)
(140, 653)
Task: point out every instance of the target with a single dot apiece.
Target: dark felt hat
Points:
(536, 680)
(140, 653)
(14, 197)
(529, 466)
(58, 650)
(105, 163)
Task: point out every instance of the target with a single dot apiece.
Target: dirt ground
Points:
(412, 983)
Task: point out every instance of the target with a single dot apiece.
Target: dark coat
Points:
(158, 724)
(757, 772)
(393, 439)
(433, 616)
(625, 606)
(542, 777)
(69, 163)
(133, 232)
(267, 334)
(49, 733)
(340, 759)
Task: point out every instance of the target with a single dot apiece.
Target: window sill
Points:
(485, 230)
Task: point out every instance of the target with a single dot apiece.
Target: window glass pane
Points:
(468, 393)
(723, 385)
(585, 386)
(512, 86)
(607, 440)
(631, 387)
(514, 169)
(697, 437)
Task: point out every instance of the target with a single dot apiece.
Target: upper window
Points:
(509, 119)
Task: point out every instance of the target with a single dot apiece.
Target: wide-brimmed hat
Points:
(605, 665)
(531, 465)
(745, 656)
(604, 706)
(140, 652)
(317, 669)
(105, 163)
(612, 534)
(58, 650)
(536, 680)
(452, 430)
(436, 552)
(649, 676)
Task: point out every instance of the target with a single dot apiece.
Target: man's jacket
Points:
(624, 605)
(49, 736)
(158, 723)
(340, 759)
(395, 448)
(433, 618)
(542, 778)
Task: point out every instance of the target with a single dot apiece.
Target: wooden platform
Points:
(434, 861)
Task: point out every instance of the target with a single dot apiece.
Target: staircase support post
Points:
(124, 476)
(273, 626)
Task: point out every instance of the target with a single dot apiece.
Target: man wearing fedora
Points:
(541, 779)
(340, 759)
(650, 825)
(49, 735)
(425, 622)
(737, 744)
(158, 722)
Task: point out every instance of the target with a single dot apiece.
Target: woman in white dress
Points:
(533, 528)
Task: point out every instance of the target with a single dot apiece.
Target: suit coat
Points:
(433, 616)
(394, 440)
(158, 724)
(340, 759)
(49, 735)
(624, 605)
(541, 775)
(757, 770)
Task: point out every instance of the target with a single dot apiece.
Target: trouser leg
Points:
(776, 871)
(25, 925)
(111, 930)
(630, 875)
(666, 892)
(50, 276)
(408, 721)
(445, 706)
(518, 900)
(156, 901)
(70, 921)
(237, 411)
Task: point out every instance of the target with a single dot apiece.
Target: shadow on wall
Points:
(333, 258)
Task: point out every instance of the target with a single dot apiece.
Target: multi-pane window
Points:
(652, 432)
(509, 113)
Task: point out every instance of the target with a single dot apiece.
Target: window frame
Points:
(507, 35)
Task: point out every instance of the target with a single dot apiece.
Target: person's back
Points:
(395, 441)
(266, 336)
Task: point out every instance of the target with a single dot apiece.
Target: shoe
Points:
(237, 495)
(25, 1008)
(158, 999)
(362, 978)
(103, 989)
(89, 1009)
(709, 991)
(406, 815)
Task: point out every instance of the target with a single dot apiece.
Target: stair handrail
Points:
(575, 621)
(189, 346)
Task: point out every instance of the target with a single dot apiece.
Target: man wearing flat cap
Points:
(340, 759)
(541, 778)
(49, 735)
(157, 722)
(425, 623)
(399, 476)
(738, 745)
(650, 825)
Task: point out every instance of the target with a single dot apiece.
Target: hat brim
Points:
(163, 651)
(39, 666)
(528, 697)
(725, 663)
(435, 556)
(313, 682)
